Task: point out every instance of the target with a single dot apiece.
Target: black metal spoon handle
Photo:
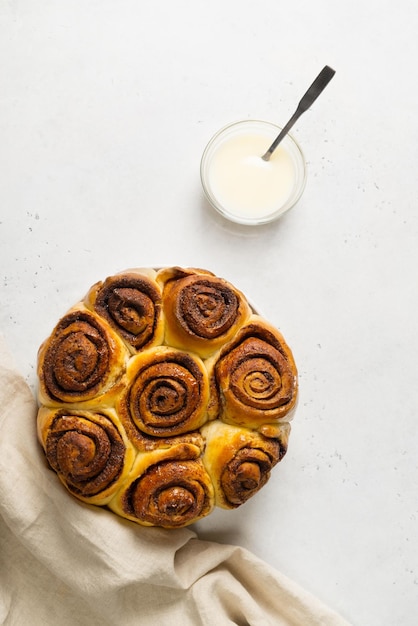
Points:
(317, 87)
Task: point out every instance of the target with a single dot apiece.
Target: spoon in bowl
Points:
(317, 87)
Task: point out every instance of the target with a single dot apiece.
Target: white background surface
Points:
(105, 109)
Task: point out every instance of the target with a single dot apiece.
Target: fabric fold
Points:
(63, 561)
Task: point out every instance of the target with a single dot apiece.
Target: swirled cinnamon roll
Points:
(239, 460)
(82, 361)
(254, 377)
(202, 311)
(88, 450)
(165, 488)
(131, 303)
(167, 393)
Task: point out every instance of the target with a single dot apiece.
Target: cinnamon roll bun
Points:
(82, 361)
(202, 311)
(169, 488)
(254, 377)
(131, 303)
(87, 449)
(167, 392)
(239, 460)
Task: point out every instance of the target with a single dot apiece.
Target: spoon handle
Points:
(317, 87)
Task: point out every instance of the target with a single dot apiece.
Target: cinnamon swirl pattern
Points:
(81, 361)
(202, 311)
(162, 395)
(90, 454)
(167, 393)
(255, 376)
(131, 303)
(169, 488)
(240, 461)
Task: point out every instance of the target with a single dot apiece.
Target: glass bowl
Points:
(243, 187)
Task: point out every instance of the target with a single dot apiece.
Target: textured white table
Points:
(105, 108)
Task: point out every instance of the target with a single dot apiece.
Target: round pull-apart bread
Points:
(163, 394)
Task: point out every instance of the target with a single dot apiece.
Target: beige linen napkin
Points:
(63, 562)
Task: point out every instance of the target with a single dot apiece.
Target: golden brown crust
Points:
(82, 361)
(88, 450)
(202, 311)
(239, 460)
(254, 377)
(192, 440)
(167, 392)
(131, 303)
